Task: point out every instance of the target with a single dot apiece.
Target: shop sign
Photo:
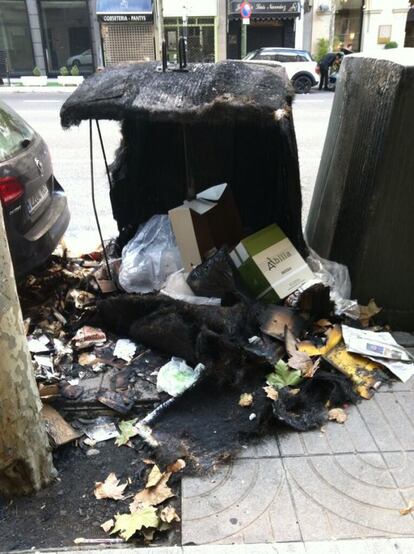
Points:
(121, 18)
(267, 7)
(124, 7)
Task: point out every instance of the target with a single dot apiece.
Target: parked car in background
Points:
(85, 58)
(300, 67)
(34, 204)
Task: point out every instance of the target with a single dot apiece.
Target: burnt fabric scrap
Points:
(197, 123)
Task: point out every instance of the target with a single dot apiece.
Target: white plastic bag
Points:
(150, 257)
(176, 376)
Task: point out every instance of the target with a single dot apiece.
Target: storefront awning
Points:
(124, 10)
(274, 9)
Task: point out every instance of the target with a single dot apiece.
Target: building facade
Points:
(272, 23)
(366, 25)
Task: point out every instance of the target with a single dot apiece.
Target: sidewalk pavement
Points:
(367, 546)
(342, 482)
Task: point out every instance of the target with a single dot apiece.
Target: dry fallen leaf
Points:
(294, 392)
(408, 509)
(107, 525)
(290, 342)
(168, 514)
(301, 361)
(110, 488)
(86, 358)
(128, 524)
(176, 466)
(367, 312)
(338, 415)
(271, 392)
(154, 477)
(246, 400)
(154, 495)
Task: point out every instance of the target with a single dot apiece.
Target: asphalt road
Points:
(70, 154)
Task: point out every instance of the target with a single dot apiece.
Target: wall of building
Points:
(321, 27)
(378, 15)
(191, 8)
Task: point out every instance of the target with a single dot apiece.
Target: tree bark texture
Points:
(25, 458)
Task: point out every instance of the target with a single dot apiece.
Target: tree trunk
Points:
(25, 458)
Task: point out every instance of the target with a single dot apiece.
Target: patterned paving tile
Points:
(247, 502)
(346, 496)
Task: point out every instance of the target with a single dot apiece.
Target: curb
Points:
(4, 89)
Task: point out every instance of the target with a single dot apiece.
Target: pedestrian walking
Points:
(327, 62)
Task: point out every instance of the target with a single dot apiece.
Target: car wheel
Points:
(302, 84)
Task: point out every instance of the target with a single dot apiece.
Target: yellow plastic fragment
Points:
(334, 337)
(364, 373)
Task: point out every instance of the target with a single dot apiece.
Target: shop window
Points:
(67, 36)
(15, 39)
(199, 32)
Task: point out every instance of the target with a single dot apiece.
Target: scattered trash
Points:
(87, 358)
(176, 287)
(338, 415)
(107, 525)
(176, 376)
(269, 265)
(101, 540)
(252, 417)
(150, 257)
(125, 349)
(89, 336)
(110, 488)
(57, 428)
(101, 430)
(120, 402)
(246, 400)
(168, 514)
(366, 313)
(154, 495)
(271, 392)
(408, 509)
(203, 225)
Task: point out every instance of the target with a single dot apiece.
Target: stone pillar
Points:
(34, 22)
(221, 30)
(362, 207)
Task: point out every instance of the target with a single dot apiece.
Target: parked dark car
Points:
(34, 204)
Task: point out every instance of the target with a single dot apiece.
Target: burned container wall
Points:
(362, 208)
(259, 161)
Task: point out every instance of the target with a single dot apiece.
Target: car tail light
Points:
(11, 190)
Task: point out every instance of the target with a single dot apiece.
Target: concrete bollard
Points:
(362, 211)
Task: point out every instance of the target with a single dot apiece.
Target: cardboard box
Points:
(205, 224)
(269, 264)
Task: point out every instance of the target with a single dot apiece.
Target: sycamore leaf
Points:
(283, 376)
(153, 495)
(107, 525)
(176, 466)
(367, 312)
(110, 488)
(271, 392)
(168, 514)
(127, 431)
(128, 524)
(338, 415)
(408, 509)
(154, 477)
(246, 400)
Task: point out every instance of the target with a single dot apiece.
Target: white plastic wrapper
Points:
(176, 287)
(150, 257)
(176, 376)
(336, 276)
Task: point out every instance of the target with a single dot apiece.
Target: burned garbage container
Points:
(186, 130)
(362, 208)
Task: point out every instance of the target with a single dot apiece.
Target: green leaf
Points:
(128, 524)
(128, 430)
(283, 376)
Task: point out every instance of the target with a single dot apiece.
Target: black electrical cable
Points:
(93, 200)
(104, 154)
